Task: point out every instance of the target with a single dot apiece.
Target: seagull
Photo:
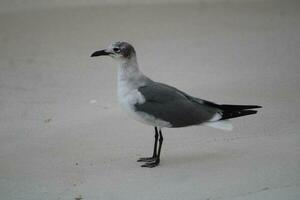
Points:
(163, 106)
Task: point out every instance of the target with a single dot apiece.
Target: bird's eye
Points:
(117, 50)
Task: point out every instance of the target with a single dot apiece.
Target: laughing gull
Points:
(160, 105)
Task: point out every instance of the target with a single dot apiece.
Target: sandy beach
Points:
(63, 135)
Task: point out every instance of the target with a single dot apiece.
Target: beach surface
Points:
(63, 135)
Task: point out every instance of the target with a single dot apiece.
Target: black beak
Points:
(100, 53)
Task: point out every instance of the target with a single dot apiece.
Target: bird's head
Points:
(120, 51)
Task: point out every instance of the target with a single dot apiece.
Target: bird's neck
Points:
(129, 73)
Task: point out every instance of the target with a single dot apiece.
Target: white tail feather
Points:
(224, 125)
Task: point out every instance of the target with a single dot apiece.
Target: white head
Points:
(120, 51)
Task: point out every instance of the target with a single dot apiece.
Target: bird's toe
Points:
(151, 164)
(147, 159)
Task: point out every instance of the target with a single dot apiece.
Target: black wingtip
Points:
(230, 115)
(228, 107)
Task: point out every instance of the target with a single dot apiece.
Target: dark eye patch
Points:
(117, 50)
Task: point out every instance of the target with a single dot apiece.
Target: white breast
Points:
(129, 97)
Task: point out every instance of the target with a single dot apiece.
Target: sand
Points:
(63, 135)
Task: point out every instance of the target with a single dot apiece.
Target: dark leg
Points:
(156, 161)
(150, 159)
(155, 143)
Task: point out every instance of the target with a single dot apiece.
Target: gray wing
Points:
(174, 106)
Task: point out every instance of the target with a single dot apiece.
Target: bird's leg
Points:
(156, 161)
(150, 159)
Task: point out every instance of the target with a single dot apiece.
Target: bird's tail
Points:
(233, 111)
